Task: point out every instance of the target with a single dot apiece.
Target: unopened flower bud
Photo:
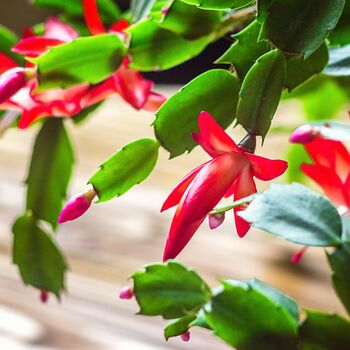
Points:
(298, 256)
(215, 220)
(165, 10)
(11, 82)
(185, 336)
(44, 296)
(77, 206)
(126, 293)
(304, 134)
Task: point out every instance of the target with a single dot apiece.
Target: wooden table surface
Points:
(116, 238)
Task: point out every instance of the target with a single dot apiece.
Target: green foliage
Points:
(300, 27)
(108, 9)
(296, 156)
(219, 4)
(339, 61)
(179, 326)
(299, 70)
(170, 290)
(39, 260)
(297, 214)
(341, 33)
(87, 59)
(246, 50)
(50, 171)
(85, 113)
(339, 260)
(215, 91)
(7, 40)
(189, 21)
(247, 319)
(126, 168)
(324, 332)
(155, 48)
(261, 92)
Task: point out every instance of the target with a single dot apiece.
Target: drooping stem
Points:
(248, 143)
(235, 204)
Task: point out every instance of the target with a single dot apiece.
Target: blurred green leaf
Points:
(340, 35)
(169, 290)
(85, 113)
(324, 332)
(126, 168)
(339, 261)
(261, 92)
(108, 9)
(177, 118)
(7, 40)
(285, 24)
(246, 50)
(154, 48)
(179, 326)
(219, 4)
(296, 155)
(39, 260)
(249, 320)
(297, 214)
(50, 171)
(88, 59)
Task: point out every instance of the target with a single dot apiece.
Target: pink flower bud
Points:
(215, 220)
(304, 134)
(185, 336)
(44, 296)
(298, 256)
(165, 10)
(10, 82)
(126, 293)
(77, 206)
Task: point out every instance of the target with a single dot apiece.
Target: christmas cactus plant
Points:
(62, 70)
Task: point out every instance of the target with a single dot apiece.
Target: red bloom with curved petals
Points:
(231, 171)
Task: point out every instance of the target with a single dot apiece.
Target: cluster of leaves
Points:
(245, 314)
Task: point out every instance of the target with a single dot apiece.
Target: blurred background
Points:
(114, 239)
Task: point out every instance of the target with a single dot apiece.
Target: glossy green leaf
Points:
(300, 70)
(140, 9)
(189, 21)
(261, 92)
(7, 40)
(88, 59)
(341, 33)
(324, 332)
(154, 48)
(262, 9)
(297, 214)
(179, 326)
(108, 9)
(276, 296)
(247, 319)
(126, 168)
(37, 256)
(169, 290)
(246, 50)
(339, 61)
(50, 171)
(178, 116)
(300, 27)
(160, 9)
(339, 261)
(218, 4)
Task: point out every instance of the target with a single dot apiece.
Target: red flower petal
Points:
(329, 181)
(154, 101)
(35, 45)
(54, 28)
(177, 193)
(100, 92)
(6, 63)
(119, 26)
(266, 169)
(244, 187)
(92, 17)
(214, 136)
(206, 190)
(132, 86)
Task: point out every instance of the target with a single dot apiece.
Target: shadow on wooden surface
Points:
(114, 239)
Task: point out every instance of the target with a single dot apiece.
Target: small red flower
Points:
(330, 169)
(230, 172)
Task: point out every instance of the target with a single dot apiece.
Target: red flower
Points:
(230, 172)
(331, 169)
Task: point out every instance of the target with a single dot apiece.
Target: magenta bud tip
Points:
(76, 206)
(185, 336)
(44, 296)
(304, 134)
(215, 220)
(165, 10)
(126, 293)
(11, 82)
(298, 256)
